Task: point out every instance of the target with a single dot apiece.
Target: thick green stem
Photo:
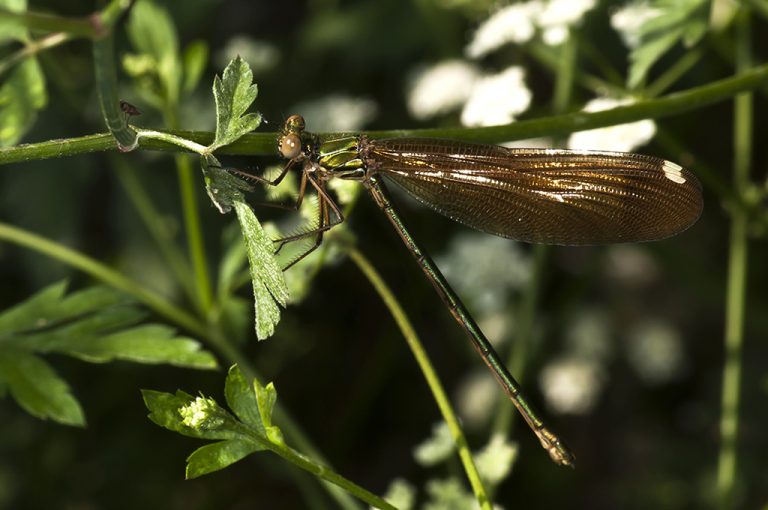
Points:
(737, 279)
(264, 143)
(429, 374)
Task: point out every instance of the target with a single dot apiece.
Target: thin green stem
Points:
(104, 274)
(195, 243)
(546, 56)
(264, 143)
(674, 72)
(150, 216)
(323, 472)
(33, 47)
(78, 27)
(737, 278)
(429, 373)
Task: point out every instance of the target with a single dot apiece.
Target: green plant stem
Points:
(78, 27)
(674, 72)
(96, 25)
(545, 55)
(193, 228)
(736, 278)
(321, 471)
(429, 373)
(106, 85)
(32, 48)
(264, 143)
(103, 273)
(151, 218)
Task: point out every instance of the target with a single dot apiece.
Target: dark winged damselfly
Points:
(547, 196)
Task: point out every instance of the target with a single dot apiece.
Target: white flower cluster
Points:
(621, 138)
(517, 23)
(487, 100)
(629, 19)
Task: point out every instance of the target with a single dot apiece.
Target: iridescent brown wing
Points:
(547, 196)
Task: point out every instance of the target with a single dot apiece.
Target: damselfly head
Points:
(289, 145)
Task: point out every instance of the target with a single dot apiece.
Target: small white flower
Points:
(441, 88)
(555, 35)
(629, 19)
(558, 15)
(485, 269)
(337, 112)
(401, 494)
(655, 351)
(510, 24)
(494, 461)
(496, 99)
(571, 385)
(621, 138)
(260, 55)
(438, 447)
(589, 334)
(631, 265)
(476, 397)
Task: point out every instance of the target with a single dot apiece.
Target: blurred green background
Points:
(635, 333)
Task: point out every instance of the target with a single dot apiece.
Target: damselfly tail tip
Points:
(556, 449)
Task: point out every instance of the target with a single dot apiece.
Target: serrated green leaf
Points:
(216, 456)
(29, 313)
(149, 344)
(234, 93)
(49, 307)
(269, 286)
(223, 187)
(195, 58)
(241, 399)
(87, 328)
(22, 94)
(37, 388)
(164, 410)
(95, 324)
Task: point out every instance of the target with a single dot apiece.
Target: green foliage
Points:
(23, 92)
(97, 325)
(234, 94)
(676, 21)
(161, 73)
(249, 430)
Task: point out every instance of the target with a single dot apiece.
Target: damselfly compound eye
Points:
(289, 145)
(294, 124)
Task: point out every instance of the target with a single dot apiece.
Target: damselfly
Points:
(547, 196)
